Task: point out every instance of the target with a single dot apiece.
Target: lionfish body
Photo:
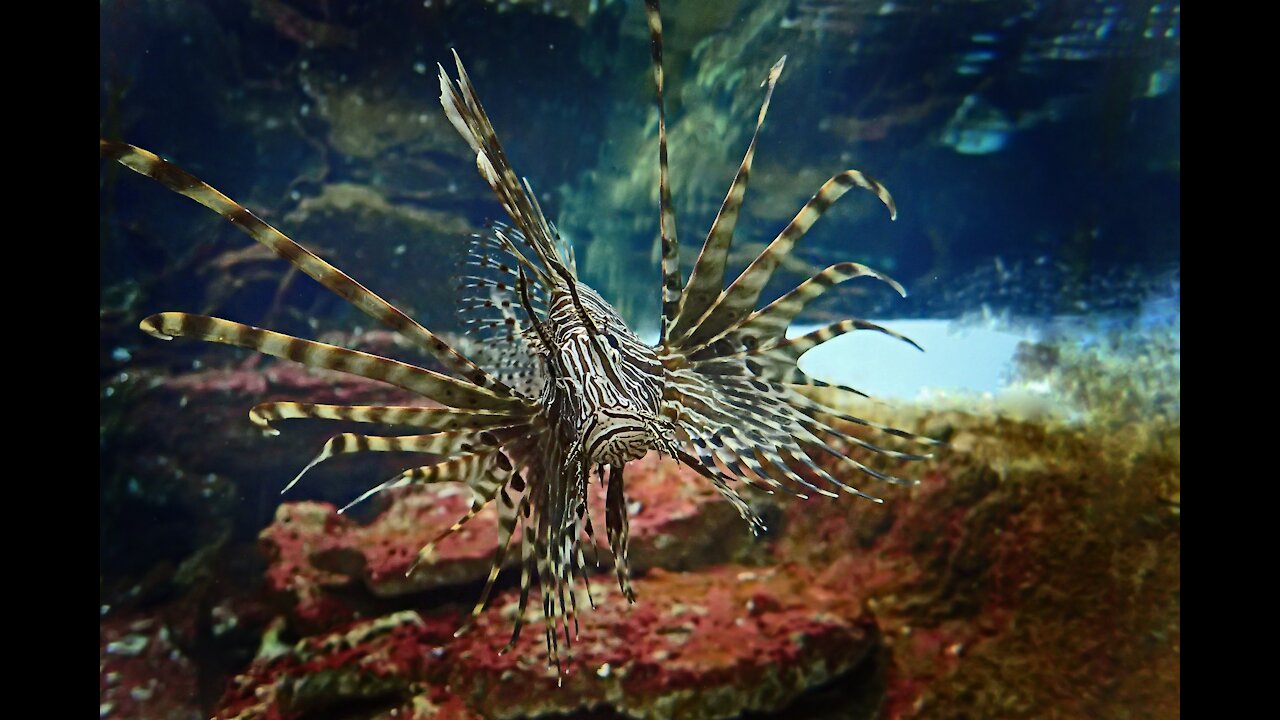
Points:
(563, 388)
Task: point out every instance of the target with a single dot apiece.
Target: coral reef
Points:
(376, 661)
(677, 520)
(1034, 570)
(1119, 378)
(707, 644)
(142, 671)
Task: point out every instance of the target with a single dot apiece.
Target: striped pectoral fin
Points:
(617, 526)
(721, 483)
(264, 414)
(508, 514)
(528, 558)
(738, 414)
(441, 443)
(743, 464)
(186, 184)
(734, 456)
(773, 463)
(710, 451)
(463, 469)
(863, 468)
(441, 388)
(484, 488)
(826, 434)
(813, 409)
(817, 437)
(800, 461)
(707, 276)
(724, 448)
(712, 424)
(782, 435)
(755, 456)
(739, 299)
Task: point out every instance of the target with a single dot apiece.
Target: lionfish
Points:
(567, 387)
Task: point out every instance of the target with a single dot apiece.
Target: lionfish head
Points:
(611, 381)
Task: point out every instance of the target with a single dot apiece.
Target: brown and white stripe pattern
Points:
(484, 433)
(509, 514)
(707, 275)
(466, 468)
(427, 418)
(184, 183)
(771, 322)
(485, 486)
(667, 212)
(564, 386)
(442, 443)
(441, 388)
(740, 297)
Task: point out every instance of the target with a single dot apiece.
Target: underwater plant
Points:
(562, 386)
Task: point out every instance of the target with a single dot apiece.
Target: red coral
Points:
(693, 645)
(677, 520)
(384, 658)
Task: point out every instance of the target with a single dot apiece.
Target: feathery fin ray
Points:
(722, 391)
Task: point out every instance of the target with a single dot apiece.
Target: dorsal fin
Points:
(667, 220)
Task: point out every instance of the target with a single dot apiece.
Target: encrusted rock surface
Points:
(142, 671)
(677, 521)
(1033, 572)
(707, 644)
(384, 664)
(1034, 569)
(182, 465)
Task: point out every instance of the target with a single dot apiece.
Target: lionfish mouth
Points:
(721, 391)
(619, 444)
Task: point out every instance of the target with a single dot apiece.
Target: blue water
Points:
(1032, 149)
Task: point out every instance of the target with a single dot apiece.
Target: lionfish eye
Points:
(613, 341)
